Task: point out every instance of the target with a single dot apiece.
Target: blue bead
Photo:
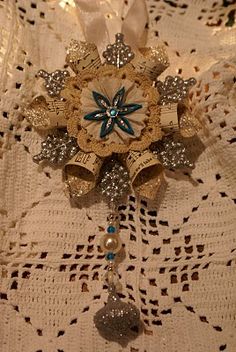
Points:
(110, 256)
(111, 229)
(113, 112)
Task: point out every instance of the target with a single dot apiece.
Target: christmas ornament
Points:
(113, 133)
(118, 321)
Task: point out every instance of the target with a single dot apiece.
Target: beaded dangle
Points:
(113, 128)
(117, 320)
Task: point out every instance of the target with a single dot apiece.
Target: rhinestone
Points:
(111, 229)
(110, 256)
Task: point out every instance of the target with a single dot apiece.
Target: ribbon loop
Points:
(189, 125)
(100, 24)
(151, 61)
(82, 55)
(81, 173)
(146, 173)
(44, 113)
(134, 24)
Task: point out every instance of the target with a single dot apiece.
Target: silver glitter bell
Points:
(118, 321)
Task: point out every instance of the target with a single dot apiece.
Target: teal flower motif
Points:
(112, 113)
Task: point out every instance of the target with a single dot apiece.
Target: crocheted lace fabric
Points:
(179, 251)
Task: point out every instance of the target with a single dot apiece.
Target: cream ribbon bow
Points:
(102, 19)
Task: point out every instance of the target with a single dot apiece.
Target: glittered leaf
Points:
(118, 54)
(54, 81)
(172, 153)
(100, 100)
(107, 127)
(174, 89)
(115, 182)
(98, 115)
(124, 125)
(119, 97)
(57, 148)
(129, 108)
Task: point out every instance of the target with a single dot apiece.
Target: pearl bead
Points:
(111, 243)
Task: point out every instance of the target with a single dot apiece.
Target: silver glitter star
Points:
(174, 89)
(171, 153)
(54, 82)
(57, 148)
(118, 54)
(118, 321)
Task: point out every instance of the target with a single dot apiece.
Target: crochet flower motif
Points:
(112, 112)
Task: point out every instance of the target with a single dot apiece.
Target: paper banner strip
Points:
(169, 118)
(145, 173)
(81, 173)
(44, 113)
(82, 55)
(56, 112)
(151, 61)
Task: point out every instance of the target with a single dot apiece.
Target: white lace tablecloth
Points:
(179, 265)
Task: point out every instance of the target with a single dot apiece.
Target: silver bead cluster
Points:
(118, 54)
(118, 321)
(174, 89)
(114, 183)
(54, 82)
(171, 153)
(57, 149)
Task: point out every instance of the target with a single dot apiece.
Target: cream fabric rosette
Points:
(107, 80)
(108, 87)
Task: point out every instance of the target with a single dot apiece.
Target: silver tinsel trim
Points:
(174, 89)
(171, 153)
(54, 82)
(57, 149)
(114, 183)
(118, 54)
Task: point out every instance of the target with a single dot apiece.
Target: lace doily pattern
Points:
(178, 262)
